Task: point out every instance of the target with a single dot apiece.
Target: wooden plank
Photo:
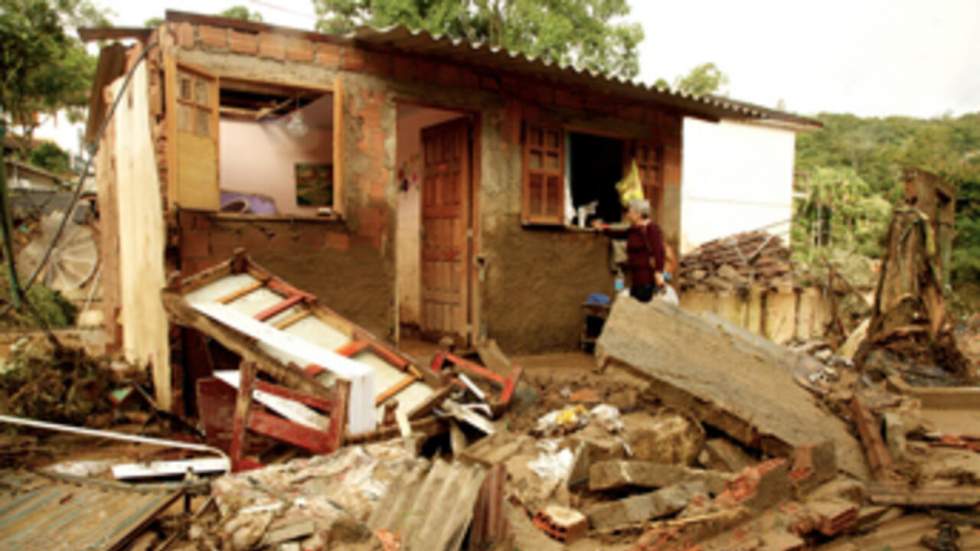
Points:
(279, 307)
(239, 293)
(293, 318)
(339, 146)
(181, 313)
(394, 390)
(281, 429)
(91, 34)
(243, 405)
(140, 217)
(288, 408)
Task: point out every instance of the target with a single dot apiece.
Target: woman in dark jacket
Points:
(644, 250)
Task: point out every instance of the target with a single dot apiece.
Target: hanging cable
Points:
(76, 195)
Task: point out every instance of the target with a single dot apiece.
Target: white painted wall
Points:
(735, 177)
(260, 157)
(411, 121)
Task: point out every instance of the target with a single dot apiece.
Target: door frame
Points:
(473, 255)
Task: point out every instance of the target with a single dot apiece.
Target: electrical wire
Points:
(76, 195)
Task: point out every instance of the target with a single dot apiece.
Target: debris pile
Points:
(737, 261)
(733, 443)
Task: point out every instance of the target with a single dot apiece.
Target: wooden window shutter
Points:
(544, 175)
(192, 121)
(649, 159)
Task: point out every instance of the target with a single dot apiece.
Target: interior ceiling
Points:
(265, 102)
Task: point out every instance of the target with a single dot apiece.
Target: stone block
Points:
(667, 437)
(636, 510)
(615, 475)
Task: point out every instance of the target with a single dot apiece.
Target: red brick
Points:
(272, 46)
(352, 60)
(213, 37)
(328, 55)
(299, 49)
(185, 35)
(243, 43)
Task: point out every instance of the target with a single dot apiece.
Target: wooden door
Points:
(445, 221)
(192, 107)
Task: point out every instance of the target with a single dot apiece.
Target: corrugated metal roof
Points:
(430, 511)
(58, 514)
(403, 39)
(481, 54)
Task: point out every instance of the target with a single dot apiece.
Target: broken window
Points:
(276, 150)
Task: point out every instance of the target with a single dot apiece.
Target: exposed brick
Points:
(243, 43)
(185, 35)
(299, 49)
(564, 524)
(213, 37)
(327, 55)
(272, 46)
(352, 60)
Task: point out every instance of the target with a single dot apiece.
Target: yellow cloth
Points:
(630, 188)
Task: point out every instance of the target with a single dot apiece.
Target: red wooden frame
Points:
(507, 385)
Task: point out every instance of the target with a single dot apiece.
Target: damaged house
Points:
(412, 183)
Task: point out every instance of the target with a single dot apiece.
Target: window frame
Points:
(555, 214)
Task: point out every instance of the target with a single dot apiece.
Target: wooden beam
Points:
(293, 318)
(91, 34)
(239, 293)
(339, 149)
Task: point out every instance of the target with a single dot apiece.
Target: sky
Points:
(917, 58)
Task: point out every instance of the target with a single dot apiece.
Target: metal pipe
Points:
(32, 423)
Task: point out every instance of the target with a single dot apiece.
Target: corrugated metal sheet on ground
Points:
(53, 514)
(431, 510)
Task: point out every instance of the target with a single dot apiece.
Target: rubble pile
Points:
(737, 261)
(684, 432)
(60, 384)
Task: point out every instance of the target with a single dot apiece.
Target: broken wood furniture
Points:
(446, 361)
(298, 426)
(301, 344)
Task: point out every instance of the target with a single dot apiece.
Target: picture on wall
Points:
(314, 184)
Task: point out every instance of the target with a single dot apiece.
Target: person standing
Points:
(644, 249)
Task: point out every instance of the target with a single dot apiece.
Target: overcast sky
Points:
(870, 57)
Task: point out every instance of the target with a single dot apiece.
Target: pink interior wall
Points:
(411, 121)
(260, 157)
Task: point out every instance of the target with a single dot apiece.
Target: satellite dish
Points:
(73, 261)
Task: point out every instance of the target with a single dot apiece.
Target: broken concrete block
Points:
(722, 455)
(562, 523)
(895, 435)
(638, 509)
(728, 378)
(614, 475)
(813, 465)
(760, 487)
(667, 437)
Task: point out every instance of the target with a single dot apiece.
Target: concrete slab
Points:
(725, 377)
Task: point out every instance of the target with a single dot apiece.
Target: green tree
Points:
(589, 34)
(43, 68)
(704, 79)
(243, 13)
(49, 156)
(153, 22)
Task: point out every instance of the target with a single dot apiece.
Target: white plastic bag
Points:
(669, 295)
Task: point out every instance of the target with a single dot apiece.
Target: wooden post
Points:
(242, 407)
(6, 228)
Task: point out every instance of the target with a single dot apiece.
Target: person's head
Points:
(638, 211)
